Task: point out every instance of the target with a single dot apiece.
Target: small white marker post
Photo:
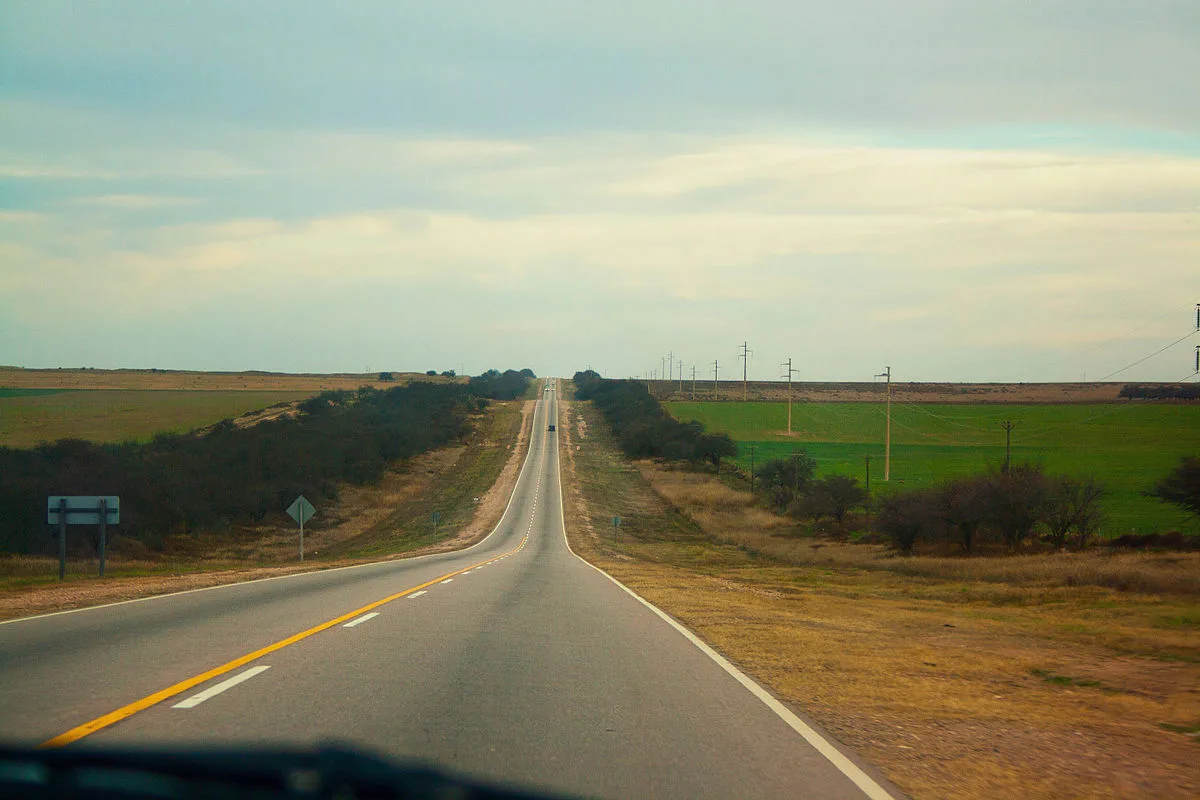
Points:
(301, 510)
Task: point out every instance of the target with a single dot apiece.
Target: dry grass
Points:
(957, 678)
(145, 379)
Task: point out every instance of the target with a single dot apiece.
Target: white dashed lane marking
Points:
(415, 595)
(207, 694)
(360, 620)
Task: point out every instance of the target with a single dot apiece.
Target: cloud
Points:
(133, 202)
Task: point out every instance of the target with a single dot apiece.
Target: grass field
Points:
(1126, 446)
(30, 416)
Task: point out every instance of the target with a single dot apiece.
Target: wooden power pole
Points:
(887, 447)
(1008, 426)
(790, 373)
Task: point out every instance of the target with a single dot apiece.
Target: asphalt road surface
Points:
(512, 661)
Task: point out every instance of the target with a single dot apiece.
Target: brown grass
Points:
(143, 379)
(965, 681)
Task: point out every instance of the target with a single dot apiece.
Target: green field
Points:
(30, 416)
(1126, 446)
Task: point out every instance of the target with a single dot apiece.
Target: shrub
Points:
(903, 518)
(1072, 505)
(1015, 501)
(1181, 486)
(786, 479)
(962, 506)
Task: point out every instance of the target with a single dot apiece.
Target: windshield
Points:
(657, 399)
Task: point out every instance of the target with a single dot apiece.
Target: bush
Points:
(496, 385)
(1181, 486)
(962, 507)
(1072, 505)
(1015, 501)
(786, 479)
(844, 493)
(904, 518)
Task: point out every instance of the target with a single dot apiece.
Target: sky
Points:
(996, 190)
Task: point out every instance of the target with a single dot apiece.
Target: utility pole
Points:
(681, 377)
(867, 458)
(1008, 426)
(715, 368)
(671, 365)
(751, 470)
(1198, 358)
(887, 447)
(693, 381)
(745, 357)
(790, 373)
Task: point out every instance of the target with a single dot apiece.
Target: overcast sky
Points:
(992, 190)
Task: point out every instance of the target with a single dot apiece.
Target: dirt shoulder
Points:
(361, 512)
(953, 688)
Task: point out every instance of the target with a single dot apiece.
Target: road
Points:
(512, 661)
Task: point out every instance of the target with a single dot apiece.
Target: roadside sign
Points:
(616, 522)
(437, 517)
(301, 510)
(64, 510)
(84, 509)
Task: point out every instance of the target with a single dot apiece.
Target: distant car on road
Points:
(551, 428)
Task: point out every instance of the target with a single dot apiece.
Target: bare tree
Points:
(1072, 505)
(962, 505)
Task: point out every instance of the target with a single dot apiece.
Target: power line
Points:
(1126, 335)
(1188, 335)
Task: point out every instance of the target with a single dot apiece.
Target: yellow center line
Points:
(126, 711)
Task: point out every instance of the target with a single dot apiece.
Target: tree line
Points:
(1160, 391)
(188, 483)
(507, 385)
(643, 427)
(1017, 505)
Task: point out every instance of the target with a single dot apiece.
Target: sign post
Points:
(64, 510)
(301, 510)
(62, 539)
(103, 521)
(437, 517)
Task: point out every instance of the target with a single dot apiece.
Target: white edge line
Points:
(511, 497)
(360, 620)
(211, 692)
(822, 745)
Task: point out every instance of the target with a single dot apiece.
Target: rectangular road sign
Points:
(84, 509)
(301, 510)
